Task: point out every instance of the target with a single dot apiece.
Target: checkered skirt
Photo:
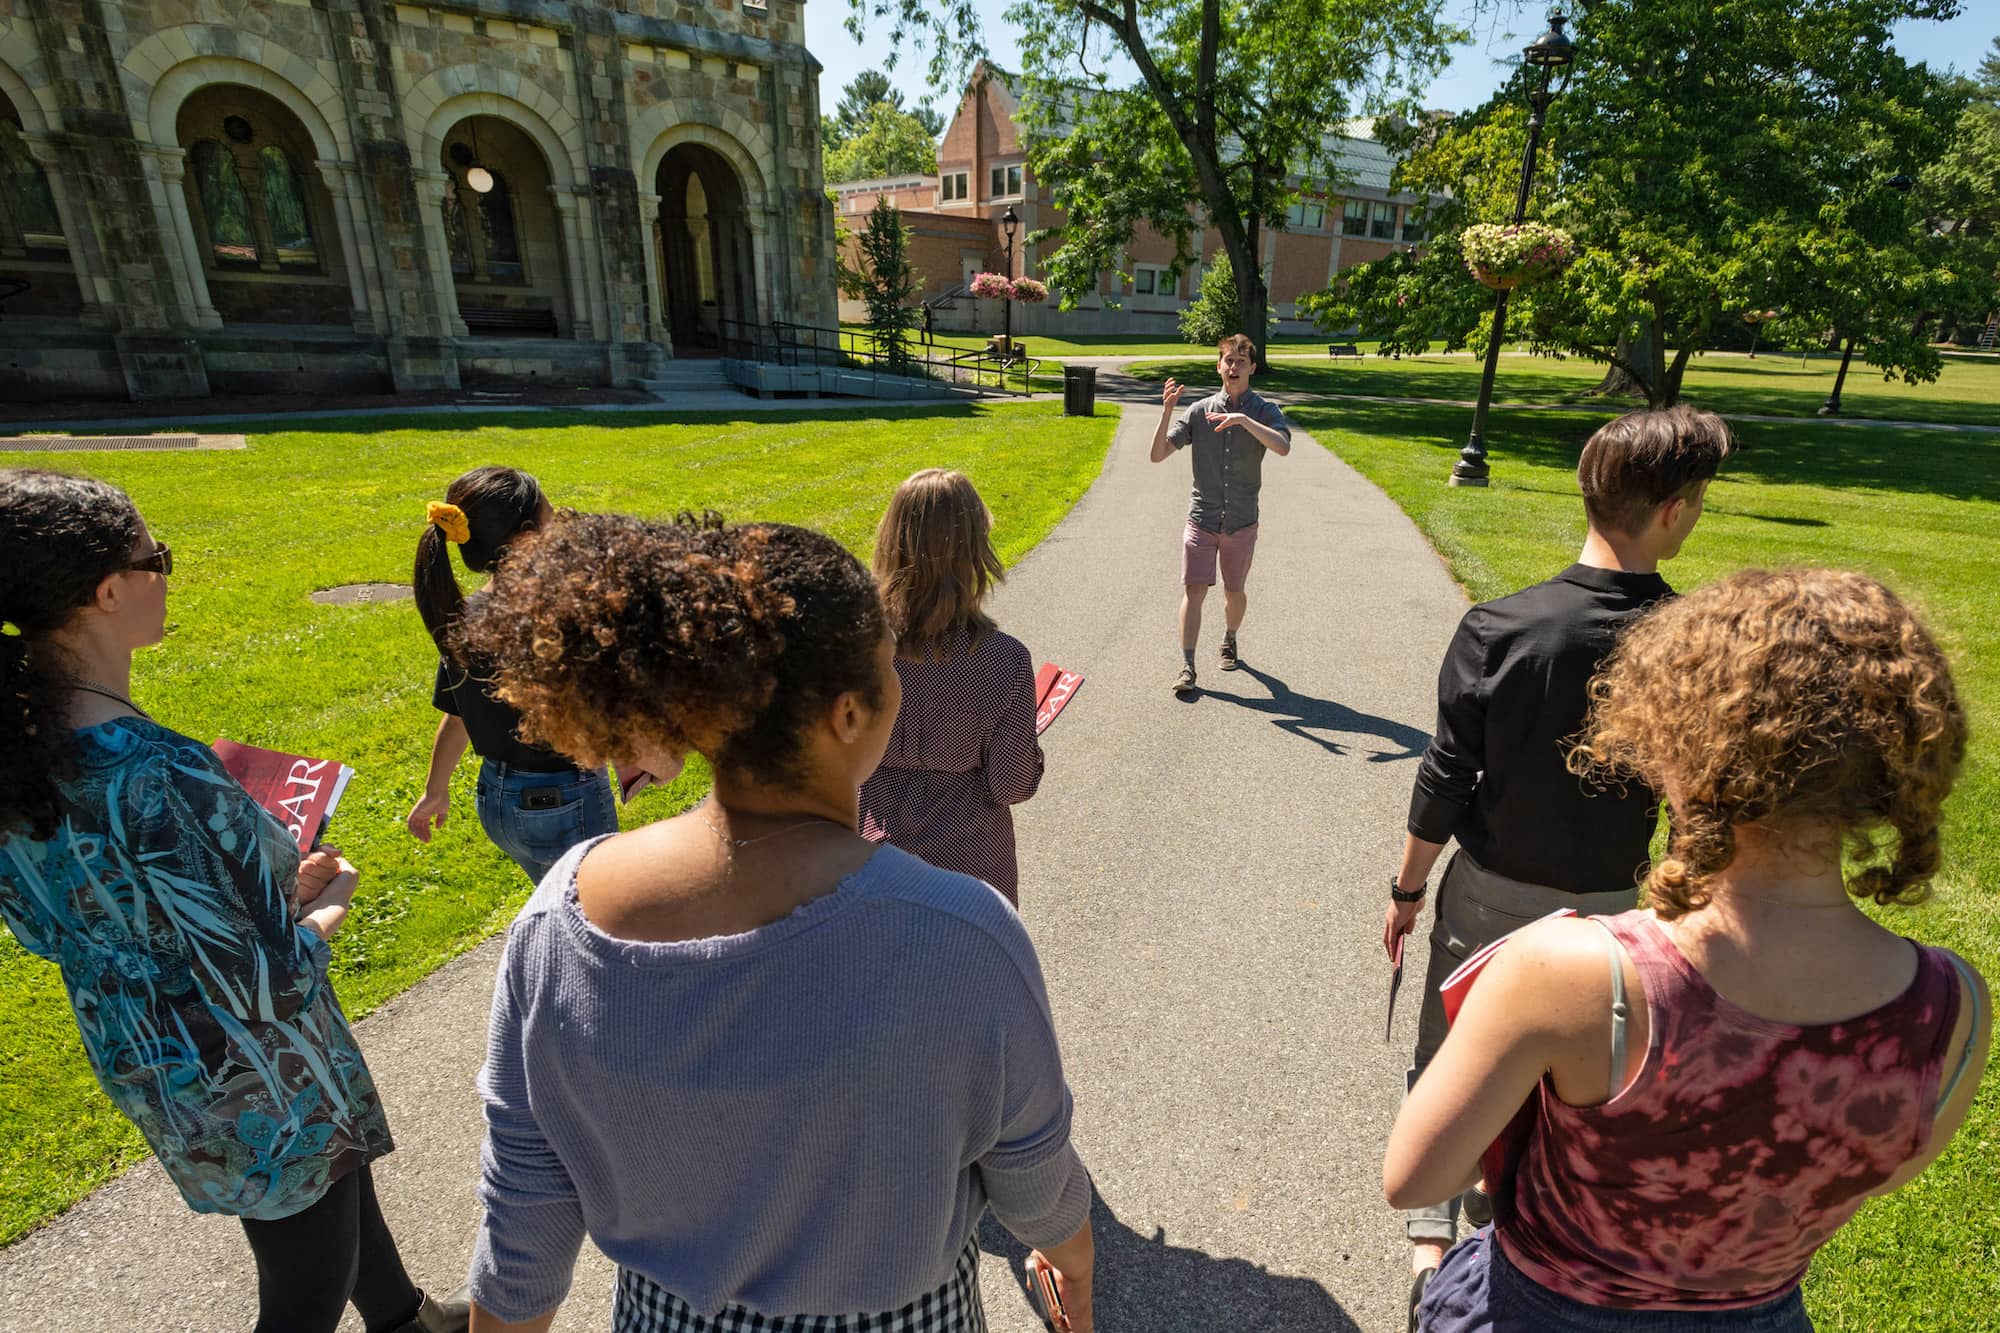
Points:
(642, 1305)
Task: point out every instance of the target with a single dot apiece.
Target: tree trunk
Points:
(1632, 352)
(1241, 245)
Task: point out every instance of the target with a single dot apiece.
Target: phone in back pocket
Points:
(542, 798)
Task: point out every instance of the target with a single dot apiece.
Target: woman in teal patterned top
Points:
(190, 934)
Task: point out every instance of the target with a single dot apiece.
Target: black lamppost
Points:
(1902, 184)
(1007, 224)
(1548, 53)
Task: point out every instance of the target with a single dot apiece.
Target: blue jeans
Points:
(536, 817)
(1479, 1291)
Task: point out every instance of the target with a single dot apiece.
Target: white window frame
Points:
(946, 193)
(1306, 215)
(1157, 282)
(1008, 174)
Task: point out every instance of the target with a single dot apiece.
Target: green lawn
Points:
(1967, 393)
(247, 656)
(1918, 509)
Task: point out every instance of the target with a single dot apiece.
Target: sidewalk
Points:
(1203, 880)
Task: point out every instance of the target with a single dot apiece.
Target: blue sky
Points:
(1497, 37)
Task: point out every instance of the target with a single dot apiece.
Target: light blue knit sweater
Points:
(808, 1118)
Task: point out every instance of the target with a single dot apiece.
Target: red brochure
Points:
(300, 793)
(1502, 1157)
(1054, 688)
(1458, 985)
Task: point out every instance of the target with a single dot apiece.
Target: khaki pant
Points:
(1474, 908)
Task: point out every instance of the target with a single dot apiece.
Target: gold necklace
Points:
(746, 842)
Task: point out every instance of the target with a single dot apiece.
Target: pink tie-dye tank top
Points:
(1737, 1150)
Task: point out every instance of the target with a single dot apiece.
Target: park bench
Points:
(496, 319)
(1344, 349)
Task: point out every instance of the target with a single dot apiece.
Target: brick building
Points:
(214, 195)
(954, 218)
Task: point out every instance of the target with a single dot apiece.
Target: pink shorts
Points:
(1202, 550)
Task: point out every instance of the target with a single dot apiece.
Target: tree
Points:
(859, 97)
(1236, 109)
(889, 281)
(1216, 311)
(1709, 157)
(888, 142)
(1958, 199)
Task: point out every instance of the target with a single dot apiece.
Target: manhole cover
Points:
(356, 594)
(93, 443)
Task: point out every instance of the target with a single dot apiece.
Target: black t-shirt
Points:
(1512, 694)
(494, 726)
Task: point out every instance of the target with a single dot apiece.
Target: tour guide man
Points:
(1513, 691)
(1230, 432)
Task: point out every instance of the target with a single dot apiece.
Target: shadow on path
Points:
(1145, 1285)
(1304, 715)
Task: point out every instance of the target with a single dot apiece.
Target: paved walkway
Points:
(1204, 881)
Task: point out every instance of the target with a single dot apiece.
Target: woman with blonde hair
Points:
(1717, 1082)
(964, 747)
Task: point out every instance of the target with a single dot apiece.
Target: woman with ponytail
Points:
(533, 803)
(191, 936)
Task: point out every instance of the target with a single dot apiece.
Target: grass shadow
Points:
(1308, 717)
(1142, 1282)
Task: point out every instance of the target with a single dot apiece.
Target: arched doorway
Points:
(264, 223)
(502, 233)
(708, 267)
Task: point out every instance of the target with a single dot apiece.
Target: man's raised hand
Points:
(1170, 396)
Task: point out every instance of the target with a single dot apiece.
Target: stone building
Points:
(207, 196)
(954, 219)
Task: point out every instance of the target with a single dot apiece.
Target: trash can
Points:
(1079, 391)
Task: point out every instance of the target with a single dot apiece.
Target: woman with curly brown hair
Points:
(1718, 1082)
(775, 1071)
(963, 750)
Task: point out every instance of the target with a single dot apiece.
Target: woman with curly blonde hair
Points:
(1717, 1082)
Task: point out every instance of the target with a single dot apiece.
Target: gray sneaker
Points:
(1184, 683)
(1229, 662)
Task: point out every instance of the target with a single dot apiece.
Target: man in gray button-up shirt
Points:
(1231, 431)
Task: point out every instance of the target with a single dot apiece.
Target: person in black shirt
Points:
(1513, 691)
(533, 803)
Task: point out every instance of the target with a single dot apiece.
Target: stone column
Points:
(431, 186)
(338, 187)
(171, 202)
(656, 305)
(98, 298)
(760, 222)
(582, 325)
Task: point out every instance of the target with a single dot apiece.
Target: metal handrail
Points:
(782, 342)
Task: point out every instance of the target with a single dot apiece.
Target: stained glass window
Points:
(231, 233)
(285, 207)
(27, 209)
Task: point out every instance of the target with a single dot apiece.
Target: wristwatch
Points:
(1396, 892)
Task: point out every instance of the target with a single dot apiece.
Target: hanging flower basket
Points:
(992, 286)
(1029, 291)
(1516, 256)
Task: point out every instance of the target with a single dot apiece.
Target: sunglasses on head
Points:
(161, 561)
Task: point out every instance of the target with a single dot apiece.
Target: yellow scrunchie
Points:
(450, 519)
